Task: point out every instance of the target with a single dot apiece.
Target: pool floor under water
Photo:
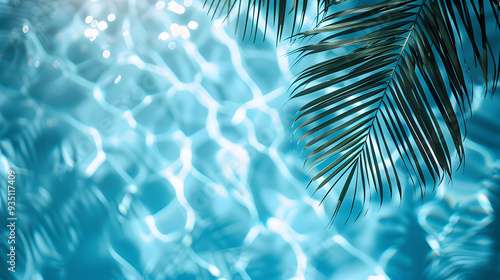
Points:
(148, 142)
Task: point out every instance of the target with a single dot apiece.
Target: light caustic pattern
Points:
(151, 143)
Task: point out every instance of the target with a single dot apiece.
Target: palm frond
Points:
(277, 12)
(402, 92)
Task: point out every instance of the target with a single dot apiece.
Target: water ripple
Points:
(151, 143)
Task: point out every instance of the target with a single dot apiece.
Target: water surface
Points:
(151, 143)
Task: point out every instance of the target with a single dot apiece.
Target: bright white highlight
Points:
(98, 160)
(176, 8)
(377, 277)
(214, 270)
(106, 54)
(127, 115)
(89, 19)
(218, 22)
(150, 139)
(160, 5)
(102, 25)
(178, 30)
(132, 188)
(193, 25)
(91, 33)
(163, 36)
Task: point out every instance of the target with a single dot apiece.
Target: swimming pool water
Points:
(151, 143)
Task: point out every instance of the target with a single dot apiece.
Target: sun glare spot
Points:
(377, 277)
(178, 30)
(132, 188)
(214, 270)
(163, 36)
(218, 22)
(106, 53)
(160, 5)
(150, 138)
(102, 25)
(89, 19)
(176, 8)
(193, 25)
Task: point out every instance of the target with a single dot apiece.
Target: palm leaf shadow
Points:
(393, 109)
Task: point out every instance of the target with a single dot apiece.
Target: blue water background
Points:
(149, 147)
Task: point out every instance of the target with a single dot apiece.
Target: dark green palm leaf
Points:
(402, 91)
(277, 12)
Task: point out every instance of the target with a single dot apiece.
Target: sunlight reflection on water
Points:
(152, 143)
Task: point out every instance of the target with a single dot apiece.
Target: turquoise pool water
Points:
(148, 142)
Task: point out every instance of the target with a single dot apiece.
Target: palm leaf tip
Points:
(402, 93)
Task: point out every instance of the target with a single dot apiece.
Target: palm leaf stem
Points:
(375, 117)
